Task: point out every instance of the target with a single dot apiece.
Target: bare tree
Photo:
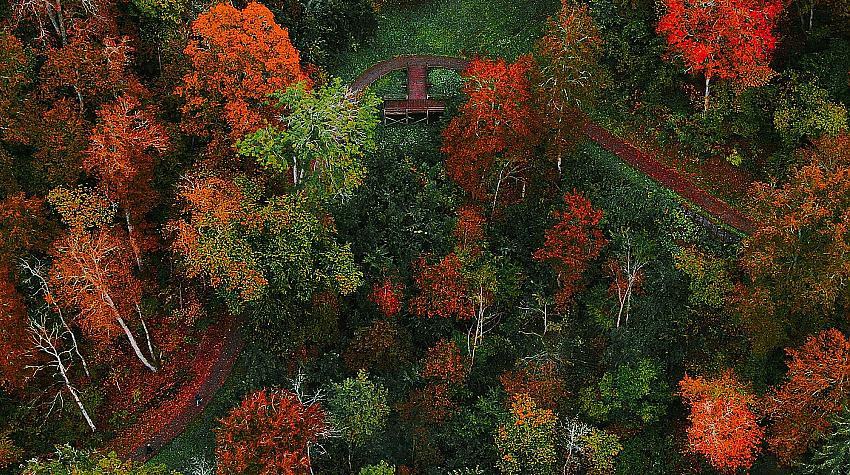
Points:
(48, 338)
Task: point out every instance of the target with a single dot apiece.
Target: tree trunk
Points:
(705, 98)
(135, 345)
(133, 244)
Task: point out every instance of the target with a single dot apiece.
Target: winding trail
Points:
(662, 174)
(193, 396)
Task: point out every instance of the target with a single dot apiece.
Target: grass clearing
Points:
(504, 28)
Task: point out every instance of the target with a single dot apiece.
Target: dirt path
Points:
(193, 398)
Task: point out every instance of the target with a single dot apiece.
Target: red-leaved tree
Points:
(14, 339)
(270, 433)
(723, 426)
(490, 143)
(443, 290)
(723, 39)
(816, 389)
(387, 296)
(571, 244)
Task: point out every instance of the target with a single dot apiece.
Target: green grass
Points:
(198, 440)
(504, 28)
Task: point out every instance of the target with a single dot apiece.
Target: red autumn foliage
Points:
(816, 389)
(444, 363)
(571, 244)
(23, 226)
(238, 58)
(94, 71)
(268, 434)
(443, 290)
(14, 339)
(387, 296)
(469, 231)
(539, 381)
(490, 143)
(723, 426)
(376, 346)
(725, 39)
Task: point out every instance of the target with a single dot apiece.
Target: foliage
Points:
(728, 39)
(69, 461)
(358, 409)
(526, 442)
(816, 388)
(710, 282)
(831, 457)
(634, 393)
(571, 244)
(723, 426)
(490, 143)
(805, 111)
(321, 138)
(382, 468)
(795, 260)
(238, 58)
(540, 381)
(270, 432)
(602, 447)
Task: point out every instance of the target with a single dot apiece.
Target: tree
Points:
(95, 71)
(120, 156)
(14, 80)
(270, 432)
(570, 74)
(358, 409)
(443, 290)
(70, 461)
(92, 271)
(14, 340)
(238, 58)
(832, 456)
(805, 111)
(796, 259)
(571, 244)
(709, 283)
(540, 381)
(816, 388)
(526, 442)
(725, 39)
(490, 143)
(634, 394)
(387, 296)
(249, 244)
(321, 139)
(723, 426)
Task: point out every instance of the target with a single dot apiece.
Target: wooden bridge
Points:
(419, 106)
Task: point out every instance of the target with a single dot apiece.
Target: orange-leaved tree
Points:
(797, 260)
(92, 271)
(816, 389)
(723, 426)
(238, 58)
(120, 156)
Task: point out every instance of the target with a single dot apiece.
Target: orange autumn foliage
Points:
(723, 426)
(816, 389)
(238, 58)
(540, 382)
